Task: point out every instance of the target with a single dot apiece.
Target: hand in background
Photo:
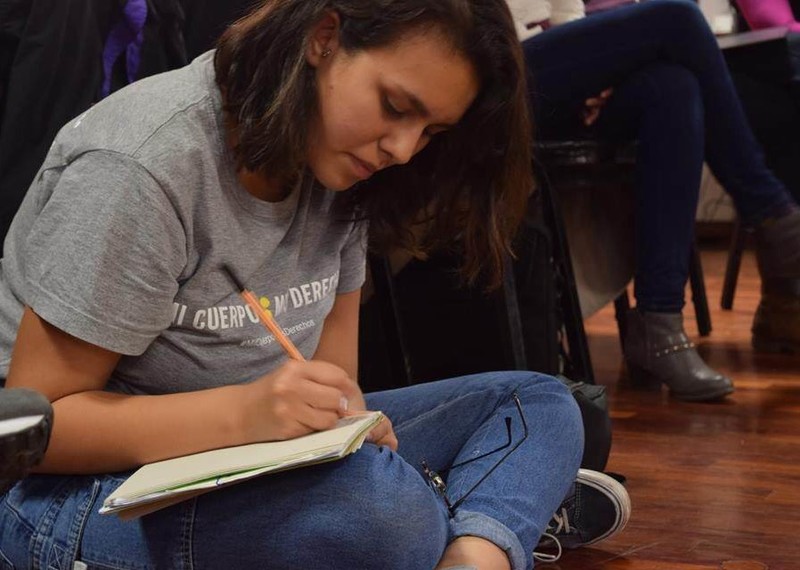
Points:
(594, 105)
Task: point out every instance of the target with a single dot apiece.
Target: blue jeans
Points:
(373, 509)
(672, 93)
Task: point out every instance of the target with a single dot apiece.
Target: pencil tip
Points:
(233, 277)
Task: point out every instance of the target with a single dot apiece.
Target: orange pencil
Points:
(265, 318)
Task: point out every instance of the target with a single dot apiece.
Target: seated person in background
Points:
(767, 79)
(769, 14)
(672, 93)
(270, 155)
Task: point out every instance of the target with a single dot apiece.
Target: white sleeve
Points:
(527, 12)
(566, 10)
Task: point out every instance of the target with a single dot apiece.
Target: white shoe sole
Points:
(615, 491)
(18, 425)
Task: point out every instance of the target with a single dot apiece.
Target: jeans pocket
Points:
(85, 500)
(59, 531)
(108, 543)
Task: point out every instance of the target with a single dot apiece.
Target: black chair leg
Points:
(570, 304)
(386, 298)
(699, 298)
(732, 266)
(510, 319)
(622, 305)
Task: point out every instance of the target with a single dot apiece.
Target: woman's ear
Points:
(324, 39)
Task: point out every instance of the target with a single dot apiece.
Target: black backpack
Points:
(401, 343)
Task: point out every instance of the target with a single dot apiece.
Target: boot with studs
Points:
(657, 351)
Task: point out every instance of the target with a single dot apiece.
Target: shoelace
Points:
(562, 524)
(544, 556)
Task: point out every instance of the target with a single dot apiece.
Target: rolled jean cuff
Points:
(468, 523)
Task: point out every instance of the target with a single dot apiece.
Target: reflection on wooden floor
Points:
(713, 486)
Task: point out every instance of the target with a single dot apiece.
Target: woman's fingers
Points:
(331, 375)
(322, 397)
(315, 419)
(389, 440)
(383, 434)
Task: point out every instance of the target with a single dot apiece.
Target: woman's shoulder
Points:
(163, 115)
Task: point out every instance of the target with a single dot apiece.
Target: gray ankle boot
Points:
(657, 350)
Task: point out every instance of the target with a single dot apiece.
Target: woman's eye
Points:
(432, 131)
(391, 109)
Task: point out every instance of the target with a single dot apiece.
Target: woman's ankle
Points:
(466, 551)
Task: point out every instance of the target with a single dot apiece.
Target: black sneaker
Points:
(597, 507)
(26, 418)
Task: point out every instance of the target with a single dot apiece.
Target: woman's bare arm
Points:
(96, 431)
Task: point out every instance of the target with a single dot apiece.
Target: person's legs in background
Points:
(733, 154)
(762, 201)
(660, 107)
(574, 61)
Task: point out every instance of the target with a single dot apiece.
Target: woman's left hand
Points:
(383, 434)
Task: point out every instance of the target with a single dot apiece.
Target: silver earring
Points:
(326, 52)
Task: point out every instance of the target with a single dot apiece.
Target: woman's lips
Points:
(363, 169)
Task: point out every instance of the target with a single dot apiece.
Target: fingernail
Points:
(344, 404)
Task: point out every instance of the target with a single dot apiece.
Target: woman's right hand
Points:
(296, 399)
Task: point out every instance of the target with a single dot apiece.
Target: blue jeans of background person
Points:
(373, 509)
(673, 93)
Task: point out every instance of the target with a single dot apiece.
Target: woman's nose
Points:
(402, 143)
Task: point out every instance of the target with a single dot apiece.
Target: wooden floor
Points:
(713, 486)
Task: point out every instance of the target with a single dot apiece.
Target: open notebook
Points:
(158, 485)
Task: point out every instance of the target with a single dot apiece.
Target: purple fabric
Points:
(126, 36)
(769, 13)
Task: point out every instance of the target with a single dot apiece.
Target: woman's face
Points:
(379, 107)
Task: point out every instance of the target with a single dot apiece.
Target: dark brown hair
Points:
(470, 184)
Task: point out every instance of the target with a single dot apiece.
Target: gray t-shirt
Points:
(121, 239)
